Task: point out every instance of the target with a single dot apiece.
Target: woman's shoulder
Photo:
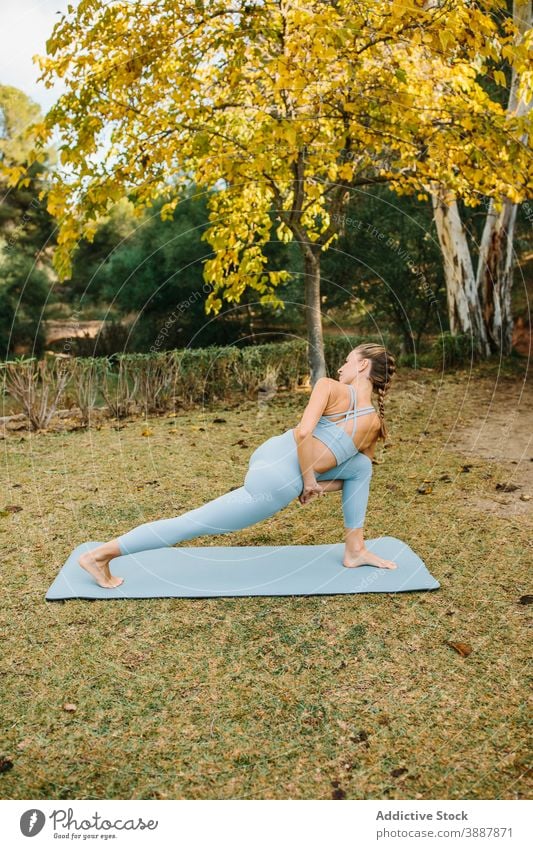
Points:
(334, 386)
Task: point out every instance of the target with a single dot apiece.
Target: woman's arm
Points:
(304, 431)
(307, 494)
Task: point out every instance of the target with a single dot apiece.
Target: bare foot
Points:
(367, 558)
(98, 567)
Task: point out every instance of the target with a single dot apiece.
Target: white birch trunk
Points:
(464, 310)
(495, 266)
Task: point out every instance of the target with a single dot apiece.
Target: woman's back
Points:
(337, 429)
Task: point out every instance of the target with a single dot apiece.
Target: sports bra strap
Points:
(354, 412)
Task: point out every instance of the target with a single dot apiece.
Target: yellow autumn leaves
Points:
(277, 107)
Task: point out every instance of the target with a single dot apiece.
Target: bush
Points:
(85, 384)
(160, 381)
(453, 351)
(38, 386)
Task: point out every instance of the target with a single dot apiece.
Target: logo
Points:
(31, 822)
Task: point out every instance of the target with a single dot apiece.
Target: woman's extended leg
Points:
(273, 480)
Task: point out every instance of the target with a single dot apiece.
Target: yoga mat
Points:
(258, 570)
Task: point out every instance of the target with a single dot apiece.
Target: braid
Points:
(381, 409)
(381, 373)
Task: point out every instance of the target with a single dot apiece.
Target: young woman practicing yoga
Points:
(326, 451)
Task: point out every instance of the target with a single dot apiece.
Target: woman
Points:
(323, 453)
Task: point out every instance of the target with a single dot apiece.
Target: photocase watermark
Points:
(267, 390)
(171, 320)
(26, 218)
(32, 822)
(240, 495)
(528, 211)
(66, 826)
(389, 242)
(74, 327)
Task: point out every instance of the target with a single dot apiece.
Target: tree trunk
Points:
(481, 305)
(495, 266)
(313, 314)
(464, 309)
(495, 276)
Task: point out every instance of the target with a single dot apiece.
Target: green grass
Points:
(355, 697)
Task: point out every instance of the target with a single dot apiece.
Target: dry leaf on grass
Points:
(461, 648)
(400, 771)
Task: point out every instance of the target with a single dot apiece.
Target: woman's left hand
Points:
(310, 490)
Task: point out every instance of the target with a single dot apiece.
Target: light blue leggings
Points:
(272, 481)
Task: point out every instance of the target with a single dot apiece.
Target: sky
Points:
(25, 27)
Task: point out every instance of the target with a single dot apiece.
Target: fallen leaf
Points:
(425, 488)
(401, 770)
(461, 648)
(360, 737)
(12, 508)
(147, 431)
(24, 743)
(338, 792)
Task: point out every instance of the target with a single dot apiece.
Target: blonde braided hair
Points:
(382, 369)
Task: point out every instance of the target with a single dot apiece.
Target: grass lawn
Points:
(356, 697)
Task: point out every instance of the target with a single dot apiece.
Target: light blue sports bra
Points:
(334, 436)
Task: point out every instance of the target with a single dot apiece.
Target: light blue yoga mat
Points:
(258, 570)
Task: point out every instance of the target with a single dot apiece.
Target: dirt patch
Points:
(502, 433)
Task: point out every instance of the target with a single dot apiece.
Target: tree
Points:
(25, 224)
(23, 294)
(273, 104)
(479, 302)
(388, 263)
(92, 259)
